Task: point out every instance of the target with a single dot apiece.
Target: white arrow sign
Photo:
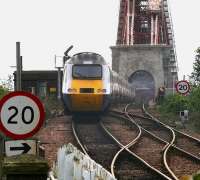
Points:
(20, 147)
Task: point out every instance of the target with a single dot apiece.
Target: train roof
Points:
(87, 58)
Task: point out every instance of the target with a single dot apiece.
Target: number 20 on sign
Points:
(21, 115)
(183, 87)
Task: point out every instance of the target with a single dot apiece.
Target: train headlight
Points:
(101, 90)
(72, 90)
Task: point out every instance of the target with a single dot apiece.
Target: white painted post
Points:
(73, 164)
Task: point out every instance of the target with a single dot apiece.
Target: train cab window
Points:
(87, 71)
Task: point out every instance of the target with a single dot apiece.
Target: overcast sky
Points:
(48, 27)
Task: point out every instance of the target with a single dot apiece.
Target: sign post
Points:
(21, 115)
(183, 87)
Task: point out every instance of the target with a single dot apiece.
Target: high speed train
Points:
(89, 85)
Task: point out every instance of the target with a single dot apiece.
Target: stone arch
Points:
(144, 85)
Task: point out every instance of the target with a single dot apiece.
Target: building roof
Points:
(38, 75)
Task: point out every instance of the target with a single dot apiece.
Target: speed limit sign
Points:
(183, 87)
(21, 115)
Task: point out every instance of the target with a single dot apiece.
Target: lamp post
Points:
(58, 65)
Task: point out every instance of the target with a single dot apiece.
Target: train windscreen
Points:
(87, 71)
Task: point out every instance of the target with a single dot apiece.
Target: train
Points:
(90, 86)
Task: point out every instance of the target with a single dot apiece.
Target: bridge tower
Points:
(145, 49)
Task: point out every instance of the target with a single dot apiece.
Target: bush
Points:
(53, 107)
(174, 103)
(3, 91)
(194, 100)
(196, 177)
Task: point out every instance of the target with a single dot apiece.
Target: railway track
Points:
(181, 164)
(136, 147)
(130, 167)
(134, 159)
(185, 154)
(97, 145)
(183, 141)
(94, 141)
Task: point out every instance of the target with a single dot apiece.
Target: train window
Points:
(87, 71)
(42, 89)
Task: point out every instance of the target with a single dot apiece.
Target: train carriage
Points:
(89, 85)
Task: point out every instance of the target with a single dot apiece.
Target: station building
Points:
(41, 83)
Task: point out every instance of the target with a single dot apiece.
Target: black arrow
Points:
(25, 148)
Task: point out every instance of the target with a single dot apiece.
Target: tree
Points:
(6, 85)
(196, 68)
(3, 91)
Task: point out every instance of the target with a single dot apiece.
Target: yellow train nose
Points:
(87, 102)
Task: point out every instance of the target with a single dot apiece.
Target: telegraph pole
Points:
(18, 67)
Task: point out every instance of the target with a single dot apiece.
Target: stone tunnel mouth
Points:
(144, 85)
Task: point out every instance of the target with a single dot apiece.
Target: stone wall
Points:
(151, 58)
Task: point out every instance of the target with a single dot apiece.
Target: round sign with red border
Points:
(21, 115)
(183, 87)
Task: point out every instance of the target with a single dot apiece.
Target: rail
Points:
(166, 148)
(172, 143)
(126, 147)
(175, 130)
(176, 147)
(51, 176)
(78, 140)
(168, 145)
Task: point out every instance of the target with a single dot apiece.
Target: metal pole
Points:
(18, 59)
(20, 73)
(173, 83)
(59, 83)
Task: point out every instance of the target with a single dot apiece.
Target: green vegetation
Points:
(53, 107)
(3, 91)
(172, 105)
(6, 86)
(196, 177)
(196, 69)
(176, 103)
